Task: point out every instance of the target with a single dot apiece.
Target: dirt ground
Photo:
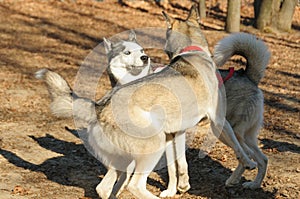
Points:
(40, 159)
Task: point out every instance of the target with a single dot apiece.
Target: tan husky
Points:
(129, 125)
(244, 104)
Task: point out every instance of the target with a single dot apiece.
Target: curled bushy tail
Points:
(254, 50)
(60, 92)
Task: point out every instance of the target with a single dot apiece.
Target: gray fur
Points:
(126, 59)
(248, 46)
(116, 49)
(244, 99)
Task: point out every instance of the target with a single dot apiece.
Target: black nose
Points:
(144, 58)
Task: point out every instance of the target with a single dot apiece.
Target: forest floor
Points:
(40, 159)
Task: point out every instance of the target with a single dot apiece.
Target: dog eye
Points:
(127, 52)
(142, 51)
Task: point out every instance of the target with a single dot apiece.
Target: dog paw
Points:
(231, 182)
(184, 188)
(251, 185)
(103, 194)
(167, 193)
(183, 183)
(250, 165)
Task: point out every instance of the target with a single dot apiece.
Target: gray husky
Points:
(245, 100)
(129, 125)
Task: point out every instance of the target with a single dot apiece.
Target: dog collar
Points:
(187, 50)
(223, 80)
(191, 48)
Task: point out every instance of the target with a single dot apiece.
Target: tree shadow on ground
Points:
(280, 146)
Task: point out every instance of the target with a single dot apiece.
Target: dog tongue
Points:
(157, 67)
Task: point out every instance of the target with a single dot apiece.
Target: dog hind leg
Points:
(228, 137)
(123, 179)
(262, 161)
(259, 157)
(236, 175)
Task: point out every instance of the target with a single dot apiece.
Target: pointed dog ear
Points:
(194, 15)
(169, 20)
(132, 36)
(107, 45)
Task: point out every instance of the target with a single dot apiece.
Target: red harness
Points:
(191, 48)
(221, 80)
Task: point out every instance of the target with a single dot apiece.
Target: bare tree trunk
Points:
(257, 5)
(264, 13)
(202, 9)
(274, 14)
(233, 16)
(286, 13)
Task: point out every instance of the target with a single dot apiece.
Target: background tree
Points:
(233, 16)
(274, 14)
(202, 8)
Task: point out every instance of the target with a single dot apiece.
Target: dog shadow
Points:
(207, 179)
(76, 167)
(68, 169)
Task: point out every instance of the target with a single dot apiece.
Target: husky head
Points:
(127, 60)
(183, 33)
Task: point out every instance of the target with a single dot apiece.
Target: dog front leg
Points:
(123, 179)
(171, 165)
(144, 164)
(104, 188)
(183, 176)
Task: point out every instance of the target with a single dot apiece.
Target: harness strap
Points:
(221, 80)
(230, 74)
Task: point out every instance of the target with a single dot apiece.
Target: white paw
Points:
(184, 188)
(167, 193)
(102, 193)
(251, 185)
(183, 183)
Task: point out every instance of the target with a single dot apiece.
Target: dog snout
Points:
(144, 58)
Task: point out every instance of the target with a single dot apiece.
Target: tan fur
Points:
(59, 91)
(129, 127)
(116, 141)
(189, 31)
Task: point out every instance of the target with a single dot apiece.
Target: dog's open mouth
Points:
(135, 70)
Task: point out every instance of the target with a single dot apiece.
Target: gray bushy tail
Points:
(254, 50)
